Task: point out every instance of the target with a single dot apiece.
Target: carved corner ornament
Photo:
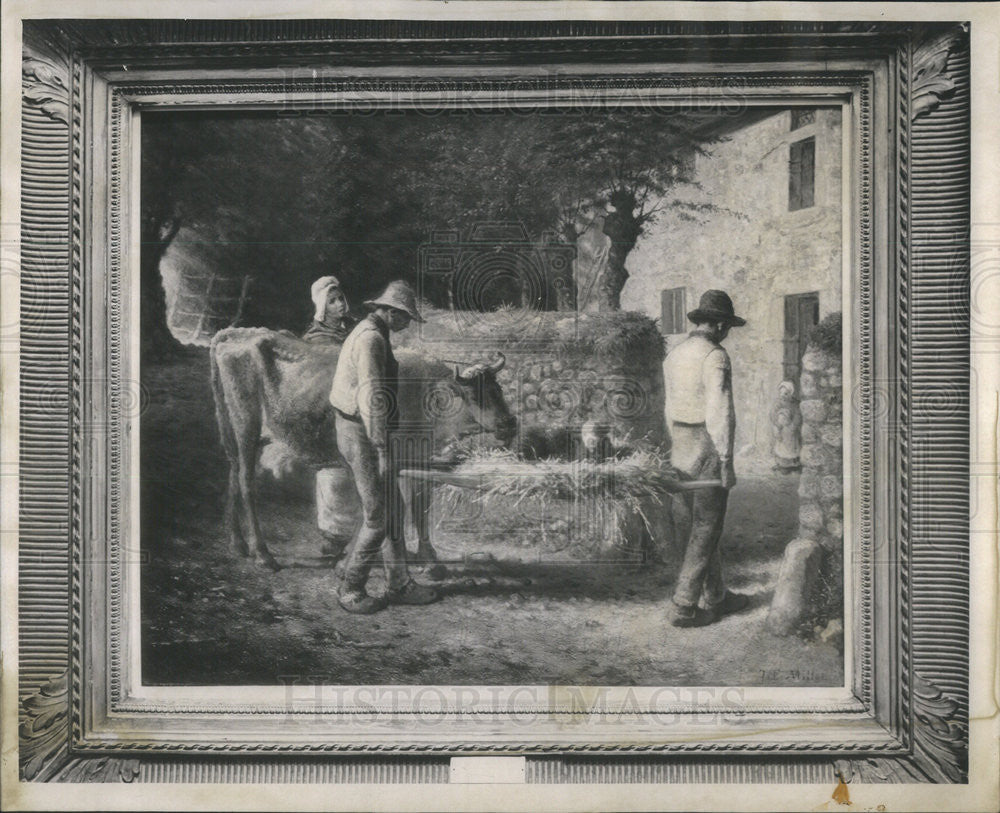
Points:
(44, 85)
(44, 754)
(931, 83)
(939, 745)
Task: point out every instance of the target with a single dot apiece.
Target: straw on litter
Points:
(631, 482)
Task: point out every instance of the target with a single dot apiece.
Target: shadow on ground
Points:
(508, 616)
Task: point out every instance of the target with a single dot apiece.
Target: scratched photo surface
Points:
(555, 256)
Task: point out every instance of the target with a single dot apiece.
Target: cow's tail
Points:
(226, 432)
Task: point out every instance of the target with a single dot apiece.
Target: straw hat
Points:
(398, 295)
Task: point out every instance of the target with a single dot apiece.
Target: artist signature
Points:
(779, 675)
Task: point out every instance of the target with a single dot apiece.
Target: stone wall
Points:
(808, 596)
(562, 370)
(821, 485)
(565, 390)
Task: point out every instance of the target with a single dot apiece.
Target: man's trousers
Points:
(382, 509)
(698, 516)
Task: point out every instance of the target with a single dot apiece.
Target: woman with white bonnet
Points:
(338, 509)
(330, 321)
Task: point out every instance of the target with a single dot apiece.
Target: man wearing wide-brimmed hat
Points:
(702, 422)
(364, 396)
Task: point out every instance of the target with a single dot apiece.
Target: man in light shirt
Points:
(702, 422)
(364, 391)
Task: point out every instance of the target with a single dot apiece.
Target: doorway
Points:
(801, 316)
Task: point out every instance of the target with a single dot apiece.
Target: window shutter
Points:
(808, 169)
(790, 361)
(801, 174)
(795, 177)
(672, 311)
(679, 315)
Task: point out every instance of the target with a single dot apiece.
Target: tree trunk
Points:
(623, 228)
(564, 276)
(157, 340)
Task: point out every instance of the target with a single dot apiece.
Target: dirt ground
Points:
(512, 613)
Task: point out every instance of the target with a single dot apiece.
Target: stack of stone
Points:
(818, 550)
(554, 392)
(821, 487)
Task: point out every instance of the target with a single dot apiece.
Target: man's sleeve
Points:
(720, 415)
(373, 397)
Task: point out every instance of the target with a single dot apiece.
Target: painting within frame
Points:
(898, 714)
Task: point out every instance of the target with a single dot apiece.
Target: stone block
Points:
(813, 410)
(809, 433)
(835, 527)
(807, 385)
(793, 592)
(833, 632)
(811, 455)
(832, 435)
(810, 516)
(808, 485)
(832, 460)
(831, 487)
(813, 361)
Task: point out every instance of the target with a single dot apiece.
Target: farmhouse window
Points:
(672, 309)
(802, 174)
(801, 116)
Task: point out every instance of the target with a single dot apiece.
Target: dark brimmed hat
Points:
(400, 296)
(716, 306)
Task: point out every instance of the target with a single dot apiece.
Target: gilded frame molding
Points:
(908, 88)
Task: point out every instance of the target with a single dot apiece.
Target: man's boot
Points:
(356, 600)
(731, 603)
(688, 616)
(412, 593)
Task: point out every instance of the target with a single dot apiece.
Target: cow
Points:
(270, 386)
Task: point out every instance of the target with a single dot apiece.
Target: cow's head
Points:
(485, 400)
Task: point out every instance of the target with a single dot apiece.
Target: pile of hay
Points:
(636, 486)
(616, 337)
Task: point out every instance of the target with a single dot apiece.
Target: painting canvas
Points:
(570, 244)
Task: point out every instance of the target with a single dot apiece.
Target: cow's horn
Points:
(499, 360)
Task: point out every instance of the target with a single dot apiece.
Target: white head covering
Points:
(786, 388)
(320, 289)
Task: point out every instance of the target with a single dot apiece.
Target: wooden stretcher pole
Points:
(475, 479)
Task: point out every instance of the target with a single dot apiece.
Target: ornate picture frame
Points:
(902, 715)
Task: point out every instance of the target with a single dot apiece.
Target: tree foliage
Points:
(284, 199)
